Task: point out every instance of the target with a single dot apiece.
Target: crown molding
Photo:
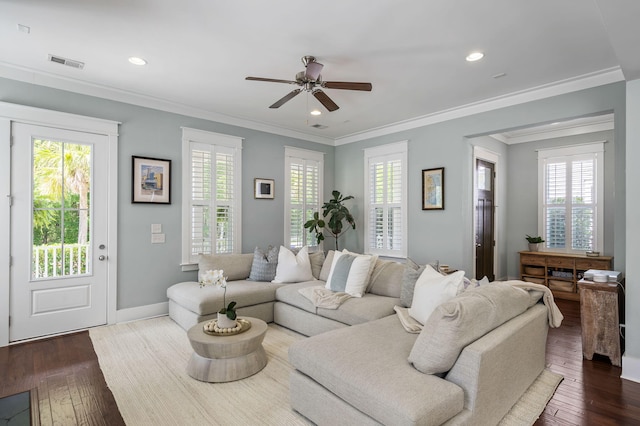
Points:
(585, 81)
(39, 78)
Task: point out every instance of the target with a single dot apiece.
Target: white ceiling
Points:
(200, 51)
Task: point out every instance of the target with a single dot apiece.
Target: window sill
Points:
(186, 267)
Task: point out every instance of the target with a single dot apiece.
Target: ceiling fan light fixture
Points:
(315, 112)
(474, 56)
(137, 61)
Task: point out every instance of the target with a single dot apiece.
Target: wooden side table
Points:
(227, 358)
(599, 314)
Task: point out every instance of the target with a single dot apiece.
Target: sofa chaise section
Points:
(362, 373)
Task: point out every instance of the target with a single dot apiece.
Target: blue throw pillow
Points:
(264, 264)
(341, 272)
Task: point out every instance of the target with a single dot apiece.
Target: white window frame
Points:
(291, 155)
(595, 149)
(386, 152)
(226, 142)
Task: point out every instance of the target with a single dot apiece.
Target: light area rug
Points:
(144, 364)
(532, 403)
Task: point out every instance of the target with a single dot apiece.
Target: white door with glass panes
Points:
(58, 231)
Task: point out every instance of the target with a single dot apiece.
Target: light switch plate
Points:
(156, 228)
(157, 238)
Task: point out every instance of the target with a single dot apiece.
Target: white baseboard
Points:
(142, 312)
(630, 368)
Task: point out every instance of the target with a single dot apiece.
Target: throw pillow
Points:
(293, 268)
(264, 264)
(386, 278)
(355, 267)
(340, 271)
(372, 265)
(410, 275)
(462, 320)
(432, 289)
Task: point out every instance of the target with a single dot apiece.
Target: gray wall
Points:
(632, 274)
(447, 235)
(145, 270)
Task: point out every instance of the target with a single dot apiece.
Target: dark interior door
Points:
(485, 236)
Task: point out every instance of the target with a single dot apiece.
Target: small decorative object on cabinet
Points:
(559, 271)
(600, 315)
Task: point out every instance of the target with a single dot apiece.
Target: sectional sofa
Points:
(360, 365)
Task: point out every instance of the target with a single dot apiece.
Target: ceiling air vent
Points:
(68, 62)
(319, 126)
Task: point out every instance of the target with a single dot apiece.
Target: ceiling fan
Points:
(311, 81)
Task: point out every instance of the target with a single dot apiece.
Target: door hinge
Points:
(10, 261)
(10, 198)
(9, 320)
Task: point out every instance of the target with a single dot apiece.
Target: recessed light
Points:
(137, 61)
(474, 56)
(316, 112)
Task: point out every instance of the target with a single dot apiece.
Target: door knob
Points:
(102, 257)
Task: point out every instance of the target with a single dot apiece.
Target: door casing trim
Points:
(42, 117)
(481, 153)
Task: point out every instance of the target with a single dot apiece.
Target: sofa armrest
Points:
(496, 369)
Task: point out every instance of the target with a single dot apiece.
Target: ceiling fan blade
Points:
(325, 100)
(286, 98)
(271, 80)
(346, 85)
(312, 71)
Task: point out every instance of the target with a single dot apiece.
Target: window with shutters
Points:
(386, 203)
(211, 180)
(570, 197)
(303, 189)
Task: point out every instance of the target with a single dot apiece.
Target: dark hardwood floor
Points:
(64, 370)
(71, 388)
(592, 392)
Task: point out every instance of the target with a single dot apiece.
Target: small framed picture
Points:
(433, 189)
(150, 180)
(263, 188)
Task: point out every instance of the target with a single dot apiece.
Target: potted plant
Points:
(227, 315)
(337, 213)
(534, 242)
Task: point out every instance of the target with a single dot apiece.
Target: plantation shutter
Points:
(386, 203)
(212, 191)
(303, 171)
(570, 207)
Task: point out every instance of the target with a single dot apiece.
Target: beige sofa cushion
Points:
(209, 299)
(317, 259)
(462, 320)
(235, 266)
(366, 366)
(386, 278)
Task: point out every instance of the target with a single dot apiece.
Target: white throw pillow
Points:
(432, 289)
(293, 268)
(349, 273)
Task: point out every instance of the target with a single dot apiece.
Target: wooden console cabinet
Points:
(559, 271)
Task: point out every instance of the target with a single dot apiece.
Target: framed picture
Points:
(150, 180)
(433, 189)
(263, 188)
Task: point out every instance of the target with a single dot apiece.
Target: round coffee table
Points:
(227, 358)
